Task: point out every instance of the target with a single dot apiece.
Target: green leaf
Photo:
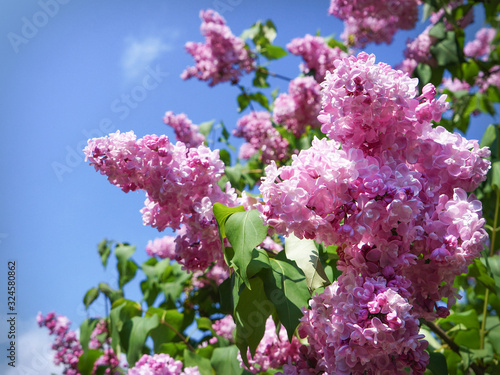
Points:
(478, 271)
(174, 349)
(86, 329)
(447, 51)
(104, 250)
(271, 52)
(251, 32)
(493, 93)
(250, 315)
(226, 297)
(126, 268)
(172, 324)
(225, 361)
(468, 318)
(244, 231)
(121, 312)
(222, 213)
(269, 30)
(260, 79)
(286, 287)
(112, 294)
(489, 136)
(243, 102)
(87, 360)
(139, 329)
(495, 175)
(174, 285)
(206, 127)
(204, 324)
(90, 297)
(234, 175)
(305, 254)
(468, 338)
(424, 73)
(225, 157)
(260, 261)
(192, 359)
(494, 338)
(261, 99)
(438, 31)
(437, 363)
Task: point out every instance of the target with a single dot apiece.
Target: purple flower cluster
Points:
(66, 344)
(391, 191)
(455, 84)
(418, 50)
(185, 130)
(318, 56)
(160, 364)
(225, 327)
(480, 47)
(68, 348)
(300, 107)
(163, 247)
(491, 78)
(181, 187)
(257, 129)
(358, 321)
(274, 350)
(369, 21)
(109, 359)
(223, 57)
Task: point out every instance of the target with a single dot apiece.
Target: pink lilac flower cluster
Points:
(66, 345)
(185, 130)
(223, 57)
(318, 56)
(257, 129)
(273, 351)
(161, 364)
(100, 339)
(418, 51)
(455, 84)
(463, 22)
(225, 328)
(181, 187)
(369, 21)
(214, 274)
(480, 47)
(299, 107)
(391, 191)
(491, 78)
(163, 247)
(357, 321)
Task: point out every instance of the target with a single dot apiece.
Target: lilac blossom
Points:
(223, 57)
(299, 107)
(273, 350)
(369, 21)
(318, 56)
(480, 47)
(181, 187)
(185, 130)
(257, 129)
(160, 364)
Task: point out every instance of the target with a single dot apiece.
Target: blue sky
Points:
(73, 70)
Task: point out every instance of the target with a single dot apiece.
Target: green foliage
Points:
(245, 231)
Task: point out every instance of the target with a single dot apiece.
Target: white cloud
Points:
(34, 355)
(140, 53)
